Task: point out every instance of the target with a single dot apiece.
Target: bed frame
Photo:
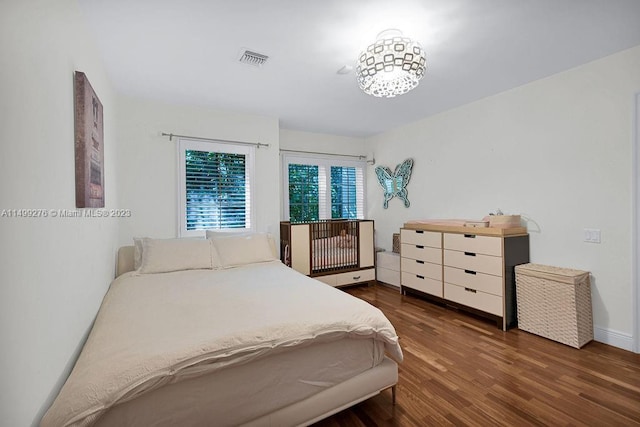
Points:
(309, 248)
(323, 404)
(335, 399)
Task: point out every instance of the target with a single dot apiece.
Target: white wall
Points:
(147, 162)
(325, 143)
(557, 151)
(53, 271)
(635, 232)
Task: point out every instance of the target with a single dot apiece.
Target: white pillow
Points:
(137, 252)
(164, 255)
(272, 241)
(241, 249)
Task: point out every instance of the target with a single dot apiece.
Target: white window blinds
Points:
(215, 186)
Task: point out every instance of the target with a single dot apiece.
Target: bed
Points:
(336, 252)
(219, 332)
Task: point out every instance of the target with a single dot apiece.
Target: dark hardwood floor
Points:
(462, 370)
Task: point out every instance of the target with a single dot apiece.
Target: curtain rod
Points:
(357, 156)
(255, 144)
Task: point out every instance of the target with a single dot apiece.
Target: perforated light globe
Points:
(391, 66)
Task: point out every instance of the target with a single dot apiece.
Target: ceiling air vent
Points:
(253, 58)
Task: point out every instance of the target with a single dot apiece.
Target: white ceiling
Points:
(186, 51)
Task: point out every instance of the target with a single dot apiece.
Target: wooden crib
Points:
(337, 252)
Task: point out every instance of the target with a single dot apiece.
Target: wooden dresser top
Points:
(480, 231)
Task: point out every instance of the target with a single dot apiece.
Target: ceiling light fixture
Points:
(391, 66)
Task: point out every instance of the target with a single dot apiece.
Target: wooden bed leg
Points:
(393, 395)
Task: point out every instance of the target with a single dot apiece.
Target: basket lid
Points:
(558, 274)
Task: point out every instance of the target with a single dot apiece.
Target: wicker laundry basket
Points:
(396, 243)
(555, 303)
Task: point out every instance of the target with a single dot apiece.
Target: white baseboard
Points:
(614, 338)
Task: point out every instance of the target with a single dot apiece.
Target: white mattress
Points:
(239, 394)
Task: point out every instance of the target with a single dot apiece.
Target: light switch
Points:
(592, 235)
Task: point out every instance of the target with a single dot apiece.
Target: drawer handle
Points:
(470, 236)
(419, 276)
(356, 277)
(473, 291)
(470, 272)
(419, 262)
(419, 246)
(419, 231)
(469, 254)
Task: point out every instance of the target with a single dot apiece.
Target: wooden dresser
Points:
(468, 268)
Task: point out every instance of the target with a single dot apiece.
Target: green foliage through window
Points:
(343, 193)
(303, 193)
(216, 195)
(308, 188)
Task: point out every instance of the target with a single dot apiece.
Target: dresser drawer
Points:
(390, 260)
(426, 269)
(355, 277)
(474, 262)
(470, 279)
(485, 245)
(475, 299)
(420, 237)
(423, 253)
(348, 277)
(423, 284)
(385, 275)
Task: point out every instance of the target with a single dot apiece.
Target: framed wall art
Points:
(89, 144)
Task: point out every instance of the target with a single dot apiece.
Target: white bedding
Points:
(334, 257)
(158, 329)
(239, 394)
(333, 252)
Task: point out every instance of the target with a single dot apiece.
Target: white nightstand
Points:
(388, 268)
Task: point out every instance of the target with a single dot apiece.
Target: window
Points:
(323, 188)
(303, 192)
(344, 192)
(215, 186)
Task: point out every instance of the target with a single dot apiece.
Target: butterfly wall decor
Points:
(394, 184)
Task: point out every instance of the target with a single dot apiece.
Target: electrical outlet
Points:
(592, 235)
